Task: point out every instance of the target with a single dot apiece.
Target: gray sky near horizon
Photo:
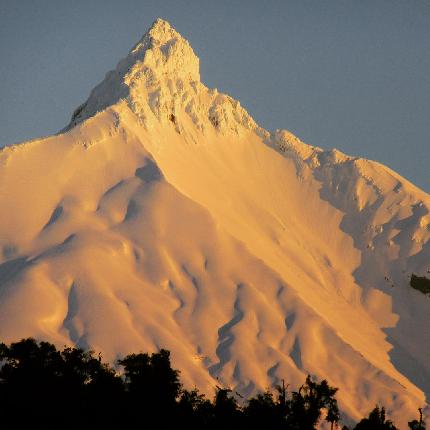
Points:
(350, 74)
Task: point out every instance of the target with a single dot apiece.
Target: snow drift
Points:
(164, 216)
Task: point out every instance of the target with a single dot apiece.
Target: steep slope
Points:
(164, 216)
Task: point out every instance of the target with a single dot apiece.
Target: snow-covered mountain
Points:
(164, 216)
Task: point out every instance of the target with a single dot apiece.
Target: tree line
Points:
(43, 387)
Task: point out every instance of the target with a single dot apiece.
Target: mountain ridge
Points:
(249, 254)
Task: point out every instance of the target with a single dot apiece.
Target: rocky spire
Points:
(162, 54)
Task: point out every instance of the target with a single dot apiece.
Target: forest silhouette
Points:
(43, 387)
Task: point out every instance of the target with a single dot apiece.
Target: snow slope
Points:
(164, 216)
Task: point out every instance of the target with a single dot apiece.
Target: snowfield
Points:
(164, 216)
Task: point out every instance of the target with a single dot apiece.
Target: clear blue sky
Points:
(349, 74)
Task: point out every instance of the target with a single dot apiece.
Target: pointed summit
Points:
(159, 81)
(164, 50)
(159, 33)
(160, 56)
(162, 31)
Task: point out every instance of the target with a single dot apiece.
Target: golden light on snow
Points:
(164, 216)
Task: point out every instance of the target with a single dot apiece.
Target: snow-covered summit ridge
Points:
(160, 81)
(164, 51)
(161, 53)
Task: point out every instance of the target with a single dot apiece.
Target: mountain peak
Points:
(160, 56)
(165, 52)
(160, 32)
(159, 80)
(171, 219)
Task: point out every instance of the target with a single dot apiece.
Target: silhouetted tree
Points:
(226, 410)
(307, 405)
(42, 387)
(375, 421)
(417, 425)
(50, 385)
(153, 387)
(195, 411)
(263, 412)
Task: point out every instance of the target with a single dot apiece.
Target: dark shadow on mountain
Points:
(149, 172)
(226, 337)
(11, 268)
(55, 249)
(112, 189)
(405, 363)
(296, 354)
(338, 193)
(69, 322)
(54, 217)
(132, 210)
